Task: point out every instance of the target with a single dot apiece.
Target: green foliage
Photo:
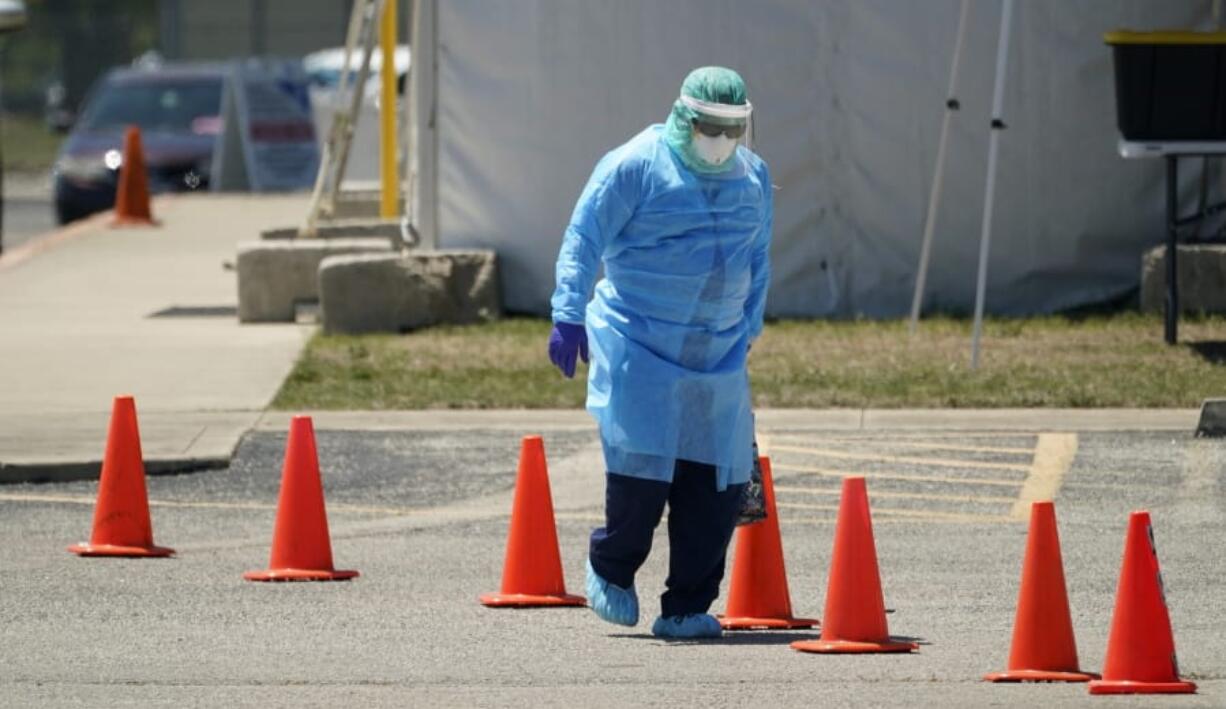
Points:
(27, 144)
(72, 41)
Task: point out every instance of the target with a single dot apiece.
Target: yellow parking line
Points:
(986, 499)
(765, 441)
(368, 510)
(1004, 450)
(880, 522)
(907, 436)
(561, 516)
(1053, 456)
(78, 500)
(577, 517)
(914, 514)
(907, 460)
(9, 497)
(188, 504)
(1124, 485)
(964, 449)
(339, 508)
(830, 473)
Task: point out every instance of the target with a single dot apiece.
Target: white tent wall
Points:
(848, 96)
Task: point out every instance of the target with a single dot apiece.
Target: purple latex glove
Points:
(565, 342)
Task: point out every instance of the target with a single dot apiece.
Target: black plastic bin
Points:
(1170, 85)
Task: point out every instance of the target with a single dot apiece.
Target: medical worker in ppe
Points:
(680, 218)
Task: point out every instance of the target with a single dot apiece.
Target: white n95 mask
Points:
(714, 151)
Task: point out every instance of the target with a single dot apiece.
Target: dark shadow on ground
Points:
(910, 639)
(1212, 351)
(753, 637)
(197, 311)
(740, 637)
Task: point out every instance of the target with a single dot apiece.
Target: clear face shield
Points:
(719, 128)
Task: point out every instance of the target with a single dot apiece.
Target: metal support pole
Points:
(259, 27)
(408, 233)
(388, 174)
(934, 196)
(1172, 250)
(423, 137)
(170, 34)
(998, 125)
(371, 14)
(1, 203)
(363, 28)
(1, 178)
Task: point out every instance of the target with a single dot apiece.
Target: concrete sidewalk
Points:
(768, 420)
(89, 312)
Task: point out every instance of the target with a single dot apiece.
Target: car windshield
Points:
(169, 106)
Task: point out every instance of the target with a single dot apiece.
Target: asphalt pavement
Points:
(422, 513)
(26, 219)
(28, 212)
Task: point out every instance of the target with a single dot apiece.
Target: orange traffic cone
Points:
(121, 515)
(532, 572)
(758, 593)
(854, 621)
(301, 547)
(1141, 648)
(132, 197)
(1044, 649)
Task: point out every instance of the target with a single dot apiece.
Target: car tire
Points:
(65, 214)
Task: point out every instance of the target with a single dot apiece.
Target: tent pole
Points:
(423, 137)
(934, 197)
(998, 125)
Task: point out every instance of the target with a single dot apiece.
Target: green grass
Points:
(27, 144)
(497, 365)
(1098, 361)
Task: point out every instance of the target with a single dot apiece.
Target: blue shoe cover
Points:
(690, 625)
(610, 601)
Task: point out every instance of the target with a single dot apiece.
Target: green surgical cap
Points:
(712, 84)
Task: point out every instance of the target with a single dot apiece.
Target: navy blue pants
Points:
(700, 525)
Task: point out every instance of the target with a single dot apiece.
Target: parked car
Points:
(176, 107)
(324, 68)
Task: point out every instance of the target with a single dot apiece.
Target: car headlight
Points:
(93, 168)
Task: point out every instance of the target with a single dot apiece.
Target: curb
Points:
(74, 471)
(843, 420)
(860, 421)
(51, 239)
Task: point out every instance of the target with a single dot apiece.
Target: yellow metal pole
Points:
(390, 193)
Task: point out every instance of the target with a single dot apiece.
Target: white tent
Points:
(514, 102)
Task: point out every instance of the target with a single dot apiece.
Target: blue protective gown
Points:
(686, 271)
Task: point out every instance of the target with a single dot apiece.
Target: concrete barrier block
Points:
(275, 275)
(402, 292)
(361, 204)
(1202, 278)
(1212, 419)
(349, 228)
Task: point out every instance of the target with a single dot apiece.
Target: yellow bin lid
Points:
(1164, 37)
